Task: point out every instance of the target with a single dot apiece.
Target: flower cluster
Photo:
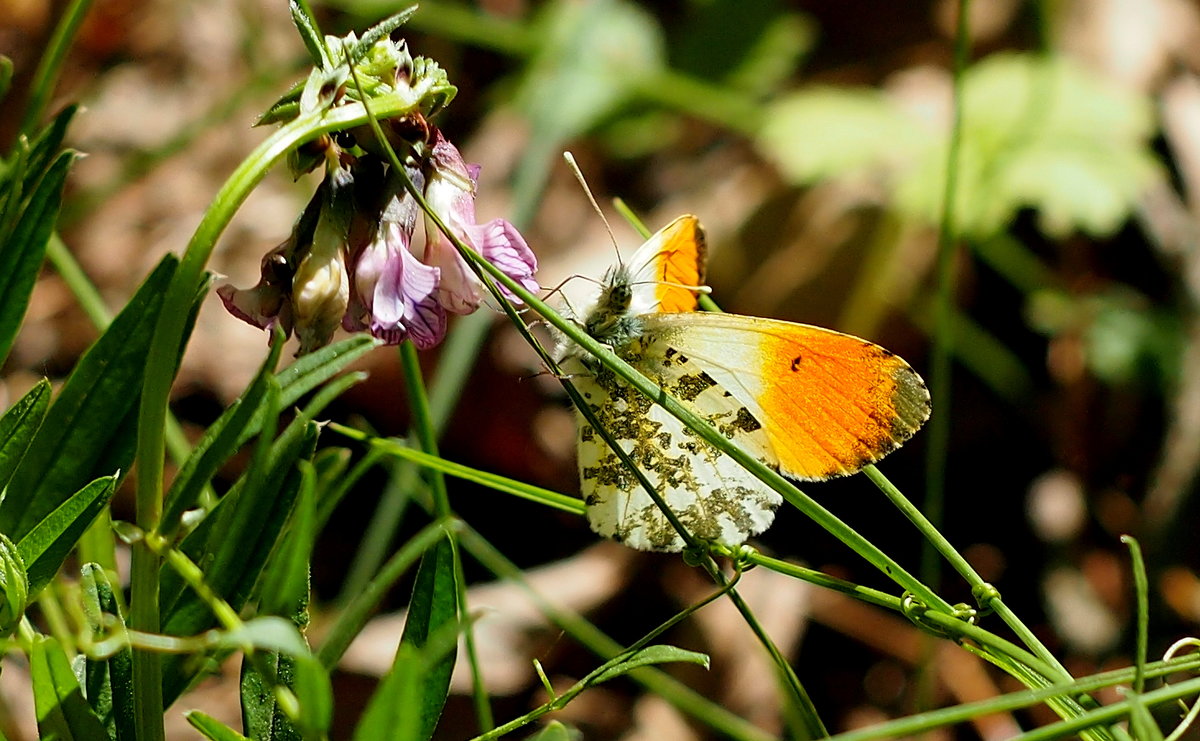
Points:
(352, 259)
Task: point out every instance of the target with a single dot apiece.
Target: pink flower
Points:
(351, 259)
(450, 192)
(395, 294)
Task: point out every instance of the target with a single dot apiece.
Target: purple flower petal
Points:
(403, 299)
(502, 245)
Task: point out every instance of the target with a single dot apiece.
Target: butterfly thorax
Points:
(611, 320)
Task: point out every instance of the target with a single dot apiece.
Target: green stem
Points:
(915, 725)
(160, 372)
(426, 434)
(988, 598)
(563, 699)
(1142, 600)
(81, 287)
(676, 693)
(938, 431)
(46, 75)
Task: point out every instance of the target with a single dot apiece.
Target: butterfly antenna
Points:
(570, 158)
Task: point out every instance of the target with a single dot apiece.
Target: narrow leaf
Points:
(46, 145)
(234, 542)
(659, 654)
(434, 605)
(47, 544)
(220, 441)
(316, 368)
(310, 34)
(315, 693)
(285, 587)
(22, 252)
(85, 423)
(389, 715)
(211, 728)
(109, 681)
(18, 426)
(267, 633)
(284, 109)
(62, 712)
(381, 30)
(262, 717)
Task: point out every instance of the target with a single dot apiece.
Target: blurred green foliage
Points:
(1038, 133)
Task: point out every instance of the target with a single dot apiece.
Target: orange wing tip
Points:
(680, 265)
(895, 414)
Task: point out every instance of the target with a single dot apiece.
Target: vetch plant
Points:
(351, 260)
(389, 246)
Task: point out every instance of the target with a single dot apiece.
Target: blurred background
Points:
(810, 138)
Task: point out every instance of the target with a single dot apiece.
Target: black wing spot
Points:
(796, 363)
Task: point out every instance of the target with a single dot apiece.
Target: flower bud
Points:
(321, 286)
(14, 586)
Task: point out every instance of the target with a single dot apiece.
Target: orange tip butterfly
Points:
(810, 402)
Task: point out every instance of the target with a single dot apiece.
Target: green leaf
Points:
(285, 586)
(380, 31)
(46, 145)
(267, 633)
(286, 662)
(21, 254)
(310, 34)
(211, 728)
(434, 605)
(18, 426)
(109, 681)
(389, 715)
(235, 540)
(284, 109)
(46, 545)
(220, 441)
(309, 372)
(233, 543)
(84, 431)
(659, 654)
(14, 587)
(62, 712)
(315, 693)
(262, 717)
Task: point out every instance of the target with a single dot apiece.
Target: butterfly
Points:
(809, 402)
